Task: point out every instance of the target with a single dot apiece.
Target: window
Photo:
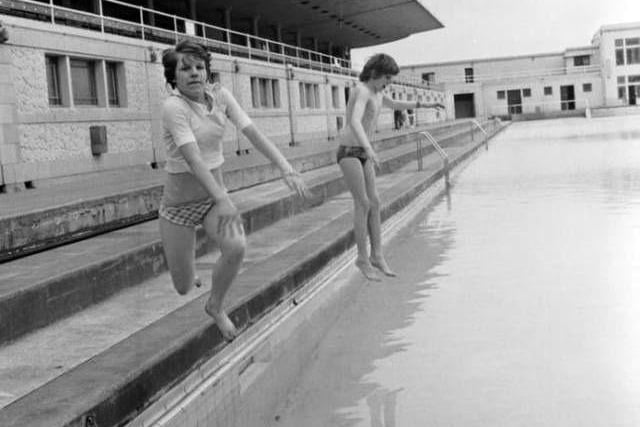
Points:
(634, 79)
(83, 82)
(581, 61)
(619, 42)
(586, 87)
(548, 90)
(526, 93)
(112, 84)
(265, 93)
(53, 80)
(468, 75)
(619, 56)
(622, 92)
(501, 94)
(430, 78)
(633, 41)
(335, 97)
(633, 55)
(622, 79)
(309, 95)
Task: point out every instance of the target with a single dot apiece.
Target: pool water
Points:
(518, 299)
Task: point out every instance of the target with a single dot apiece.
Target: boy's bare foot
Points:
(382, 265)
(368, 271)
(226, 326)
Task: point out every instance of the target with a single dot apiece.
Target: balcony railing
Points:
(124, 19)
(129, 20)
(524, 74)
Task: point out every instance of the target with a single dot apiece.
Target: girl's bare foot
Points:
(382, 265)
(225, 325)
(368, 271)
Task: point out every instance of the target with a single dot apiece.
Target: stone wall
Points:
(40, 140)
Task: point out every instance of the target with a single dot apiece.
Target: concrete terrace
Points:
(92, 328)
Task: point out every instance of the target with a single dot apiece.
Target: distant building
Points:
(603, 75)
(81, 81)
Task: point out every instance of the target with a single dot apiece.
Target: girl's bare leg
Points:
(232, 246)
(374, 227)
(354, 178)
(178, 242)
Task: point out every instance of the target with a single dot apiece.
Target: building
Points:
(81, 81)
(605, 74)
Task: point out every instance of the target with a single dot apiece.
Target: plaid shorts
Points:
(188, 214)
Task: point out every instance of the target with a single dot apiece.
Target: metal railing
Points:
(443, 154)
(515, 75)
(117, 17)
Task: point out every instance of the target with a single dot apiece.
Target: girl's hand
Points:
(373, 157)
(294, 181)
(229, 221)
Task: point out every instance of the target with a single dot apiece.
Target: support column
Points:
(227, 18)
(11, 175)
(192, 10)
(152, 17)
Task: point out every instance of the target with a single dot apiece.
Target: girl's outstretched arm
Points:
(263, 144)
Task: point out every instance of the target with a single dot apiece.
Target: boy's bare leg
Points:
(354, 178)
(373, 221)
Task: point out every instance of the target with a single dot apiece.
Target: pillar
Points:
(10, 173)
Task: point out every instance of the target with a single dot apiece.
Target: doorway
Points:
(634, 94)
(514, 101)
(464, 104)
(567, 98)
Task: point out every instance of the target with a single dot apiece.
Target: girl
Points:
(357, 158)
(193, 120)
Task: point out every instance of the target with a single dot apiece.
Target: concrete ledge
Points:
(113, 387)
(96, 211)
(64, 283)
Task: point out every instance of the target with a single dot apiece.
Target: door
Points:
(567, 97)
(464, 104)
(634, 94)
(514, 101)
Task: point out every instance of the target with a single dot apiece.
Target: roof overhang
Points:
(353, 23)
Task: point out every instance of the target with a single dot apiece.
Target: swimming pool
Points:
(518, 301)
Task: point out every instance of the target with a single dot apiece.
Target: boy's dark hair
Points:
(379, 65)
(187, 47)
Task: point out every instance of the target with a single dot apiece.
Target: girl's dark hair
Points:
(170, 58)
(379, 65)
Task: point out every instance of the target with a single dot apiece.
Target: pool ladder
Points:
(443, 154)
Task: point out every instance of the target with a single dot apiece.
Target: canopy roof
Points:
(353, 23)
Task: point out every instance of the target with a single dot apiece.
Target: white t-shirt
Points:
(185, 121)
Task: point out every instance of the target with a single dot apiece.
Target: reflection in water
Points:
(517, 303)
(382, 407)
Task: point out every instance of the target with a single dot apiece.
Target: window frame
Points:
(77, 66)
(265, 93)
(52, 70)
(69, 76)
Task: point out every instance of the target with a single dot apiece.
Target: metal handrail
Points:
(443, 154)
(271, 49)
(488, 77)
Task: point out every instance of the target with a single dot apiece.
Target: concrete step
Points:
(45, 287)
(71, 209)
(112, 386)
